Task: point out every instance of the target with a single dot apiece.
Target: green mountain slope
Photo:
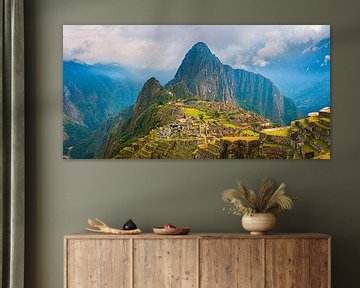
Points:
(91, 96)
(164, 126)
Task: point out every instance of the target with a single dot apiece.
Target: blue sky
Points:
(162, 47)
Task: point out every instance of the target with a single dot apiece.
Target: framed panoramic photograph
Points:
(196, 92)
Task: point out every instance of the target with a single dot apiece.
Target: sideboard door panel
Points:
(287, 263)
(169, 263)
(98, 263)
(319, 263)
(231, 263)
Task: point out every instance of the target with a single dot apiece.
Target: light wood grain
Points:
(231, 263)
(165, 263)
(205, 260)
(98, 264)
(319, 263)
(87, 235)
(287, 263)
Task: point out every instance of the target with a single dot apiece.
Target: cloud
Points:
(269, 50)
(326, 60)
(162, 47)
(260, 62)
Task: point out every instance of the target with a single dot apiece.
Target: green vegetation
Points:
(192, 112)
(324, 156)
(325, 120)
(312, 119)
(250, 132)
(77, 138)
(318, 143)
(209, 116)
(297, 156)
(129, 149)
(273, 145)
(241, 138)
(225, 121)
(282, 132)
(216, 114)
(195, 113)
(308, 148)
(321, 125)
(228, 124)
(302, 122)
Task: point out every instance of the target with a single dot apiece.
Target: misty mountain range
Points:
(303, 74)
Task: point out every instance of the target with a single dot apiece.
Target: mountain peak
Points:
(148, 94)
(77, 61)
(150, 88)
(200, 46)
(201, 65)
(152, 82)
(207, 78)
(200, 50)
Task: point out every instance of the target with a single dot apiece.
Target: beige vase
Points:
(259, 223)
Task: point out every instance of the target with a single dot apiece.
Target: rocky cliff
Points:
(207, 78)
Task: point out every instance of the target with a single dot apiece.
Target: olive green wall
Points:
(62, 194)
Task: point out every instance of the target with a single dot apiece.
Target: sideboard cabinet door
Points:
(231, 263)
(320, 263)
(287, 263)
(165, 263)
(98, 263)
(297, 263)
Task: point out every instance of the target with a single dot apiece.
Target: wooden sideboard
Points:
(197, 260)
